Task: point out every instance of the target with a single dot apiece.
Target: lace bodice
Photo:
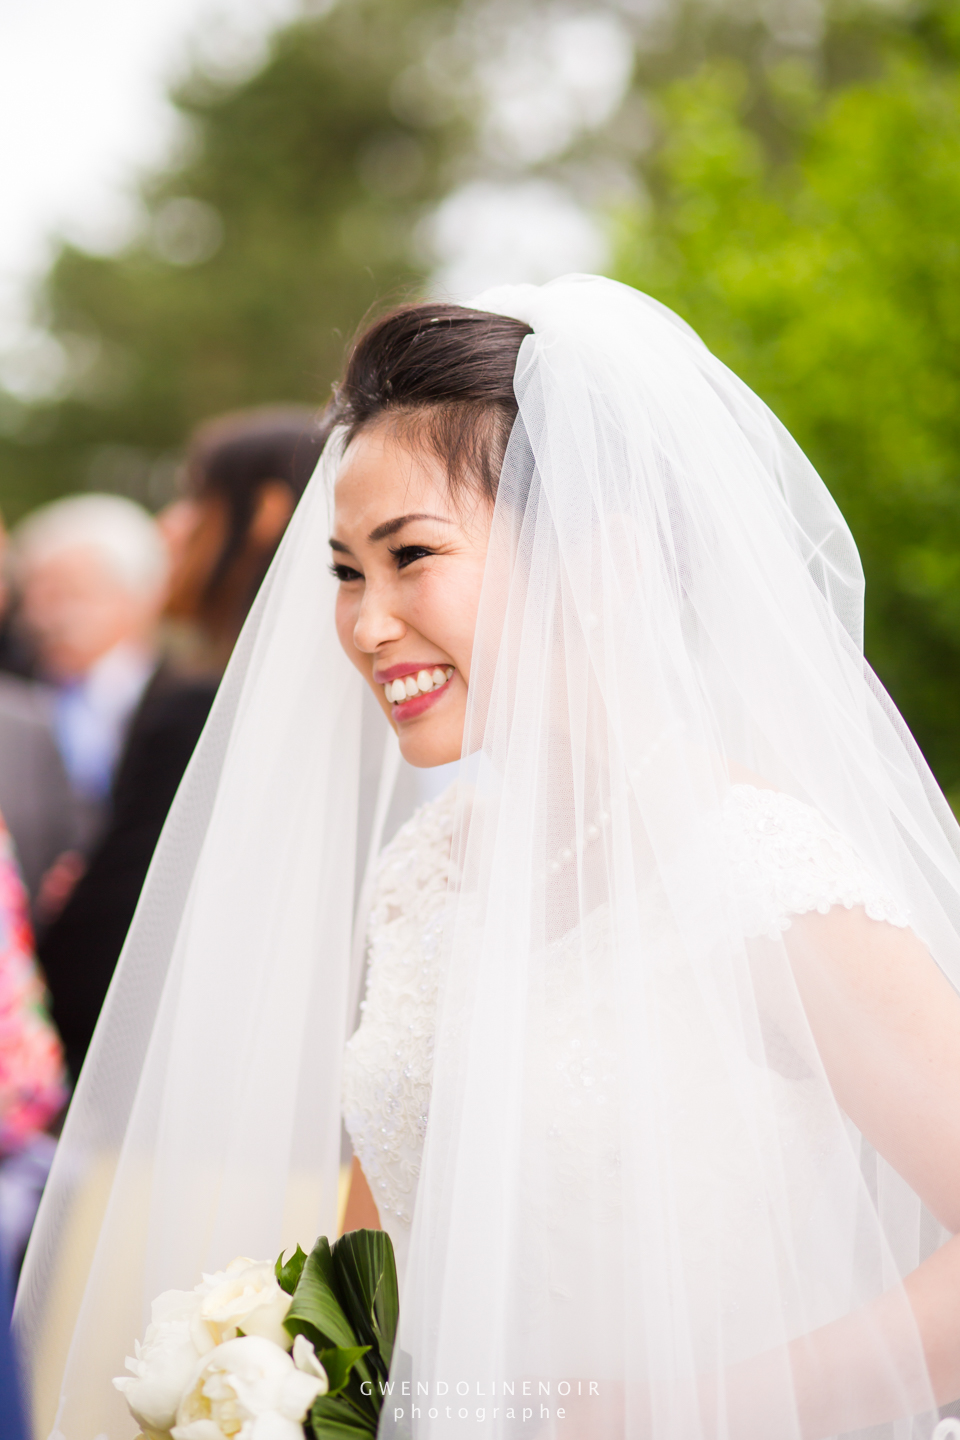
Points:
(784, 858)
(386, 1085)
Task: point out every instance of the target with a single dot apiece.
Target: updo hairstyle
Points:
(444, 374)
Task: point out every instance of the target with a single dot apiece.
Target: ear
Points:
(272, 509)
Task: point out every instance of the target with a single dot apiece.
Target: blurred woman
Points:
(32, 1089)
(243, 476)
(32, 1093)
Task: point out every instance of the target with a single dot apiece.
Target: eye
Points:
(406, 554)
(344, 573)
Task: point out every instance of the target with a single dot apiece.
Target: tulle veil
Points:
(636, 1178)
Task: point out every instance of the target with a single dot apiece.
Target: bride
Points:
(656, 1080)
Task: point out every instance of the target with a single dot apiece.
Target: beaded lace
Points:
(388, 1063)
(785, 860)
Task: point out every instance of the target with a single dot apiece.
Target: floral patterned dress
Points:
(32, 1087)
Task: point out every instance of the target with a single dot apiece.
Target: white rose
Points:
(246, 1296)
(248, 1389)
(164, 1363)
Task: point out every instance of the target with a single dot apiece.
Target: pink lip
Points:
(410, 709)
(393, 672)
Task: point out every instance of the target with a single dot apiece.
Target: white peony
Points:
(249, 1389)
(164, 1364)
(305, 1358)
(189, 1327)
(245, 1297)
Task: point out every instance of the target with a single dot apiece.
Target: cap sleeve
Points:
(788, 860)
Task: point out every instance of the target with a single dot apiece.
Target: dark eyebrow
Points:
(390, 527)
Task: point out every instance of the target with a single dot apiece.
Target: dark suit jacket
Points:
(35, 797)
(80, 949)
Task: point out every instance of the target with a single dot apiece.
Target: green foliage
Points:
(801, 210)
(367, 1283)
(330, 1420)
(346, 1303)
(830, 281)
(304, 185)
(338, 1363)
(316, 1310)
(289, 1274)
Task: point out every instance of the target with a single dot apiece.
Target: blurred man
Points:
(91, 571)
(244, 475)
(35, 795)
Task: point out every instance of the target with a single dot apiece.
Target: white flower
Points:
(305, 1358)
(246, 1296)
(247, 1389)
(187, 1325)
(164, 1364)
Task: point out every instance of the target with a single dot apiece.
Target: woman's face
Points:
(410, 564)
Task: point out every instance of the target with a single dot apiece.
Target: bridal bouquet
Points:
(272, 1352)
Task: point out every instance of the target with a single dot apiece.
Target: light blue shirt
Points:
(90, 717)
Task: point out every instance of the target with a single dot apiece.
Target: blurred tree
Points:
(801, 190)
(293, 206)
(817, 252)
(290, 212)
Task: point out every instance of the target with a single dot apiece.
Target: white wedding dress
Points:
(584, 1088)
(785, 860)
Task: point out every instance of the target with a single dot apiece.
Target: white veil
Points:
(636, 1178)
(206, 1120)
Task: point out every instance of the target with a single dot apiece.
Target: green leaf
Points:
(333, 1418)
(288, 1275)
(338, 1363)
(315, 1310)
(366, 1283)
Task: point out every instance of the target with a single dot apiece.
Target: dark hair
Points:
(233, 456)
(446, 374)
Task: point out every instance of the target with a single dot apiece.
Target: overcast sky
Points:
(83, 112)
(82, 109)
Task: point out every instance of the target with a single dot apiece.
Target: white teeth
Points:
(422, 683)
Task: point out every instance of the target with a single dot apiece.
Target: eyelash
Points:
(406, 554)
(403, 554)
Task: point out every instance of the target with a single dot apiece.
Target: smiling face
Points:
(410, 560)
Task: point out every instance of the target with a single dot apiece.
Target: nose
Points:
(377, 621)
